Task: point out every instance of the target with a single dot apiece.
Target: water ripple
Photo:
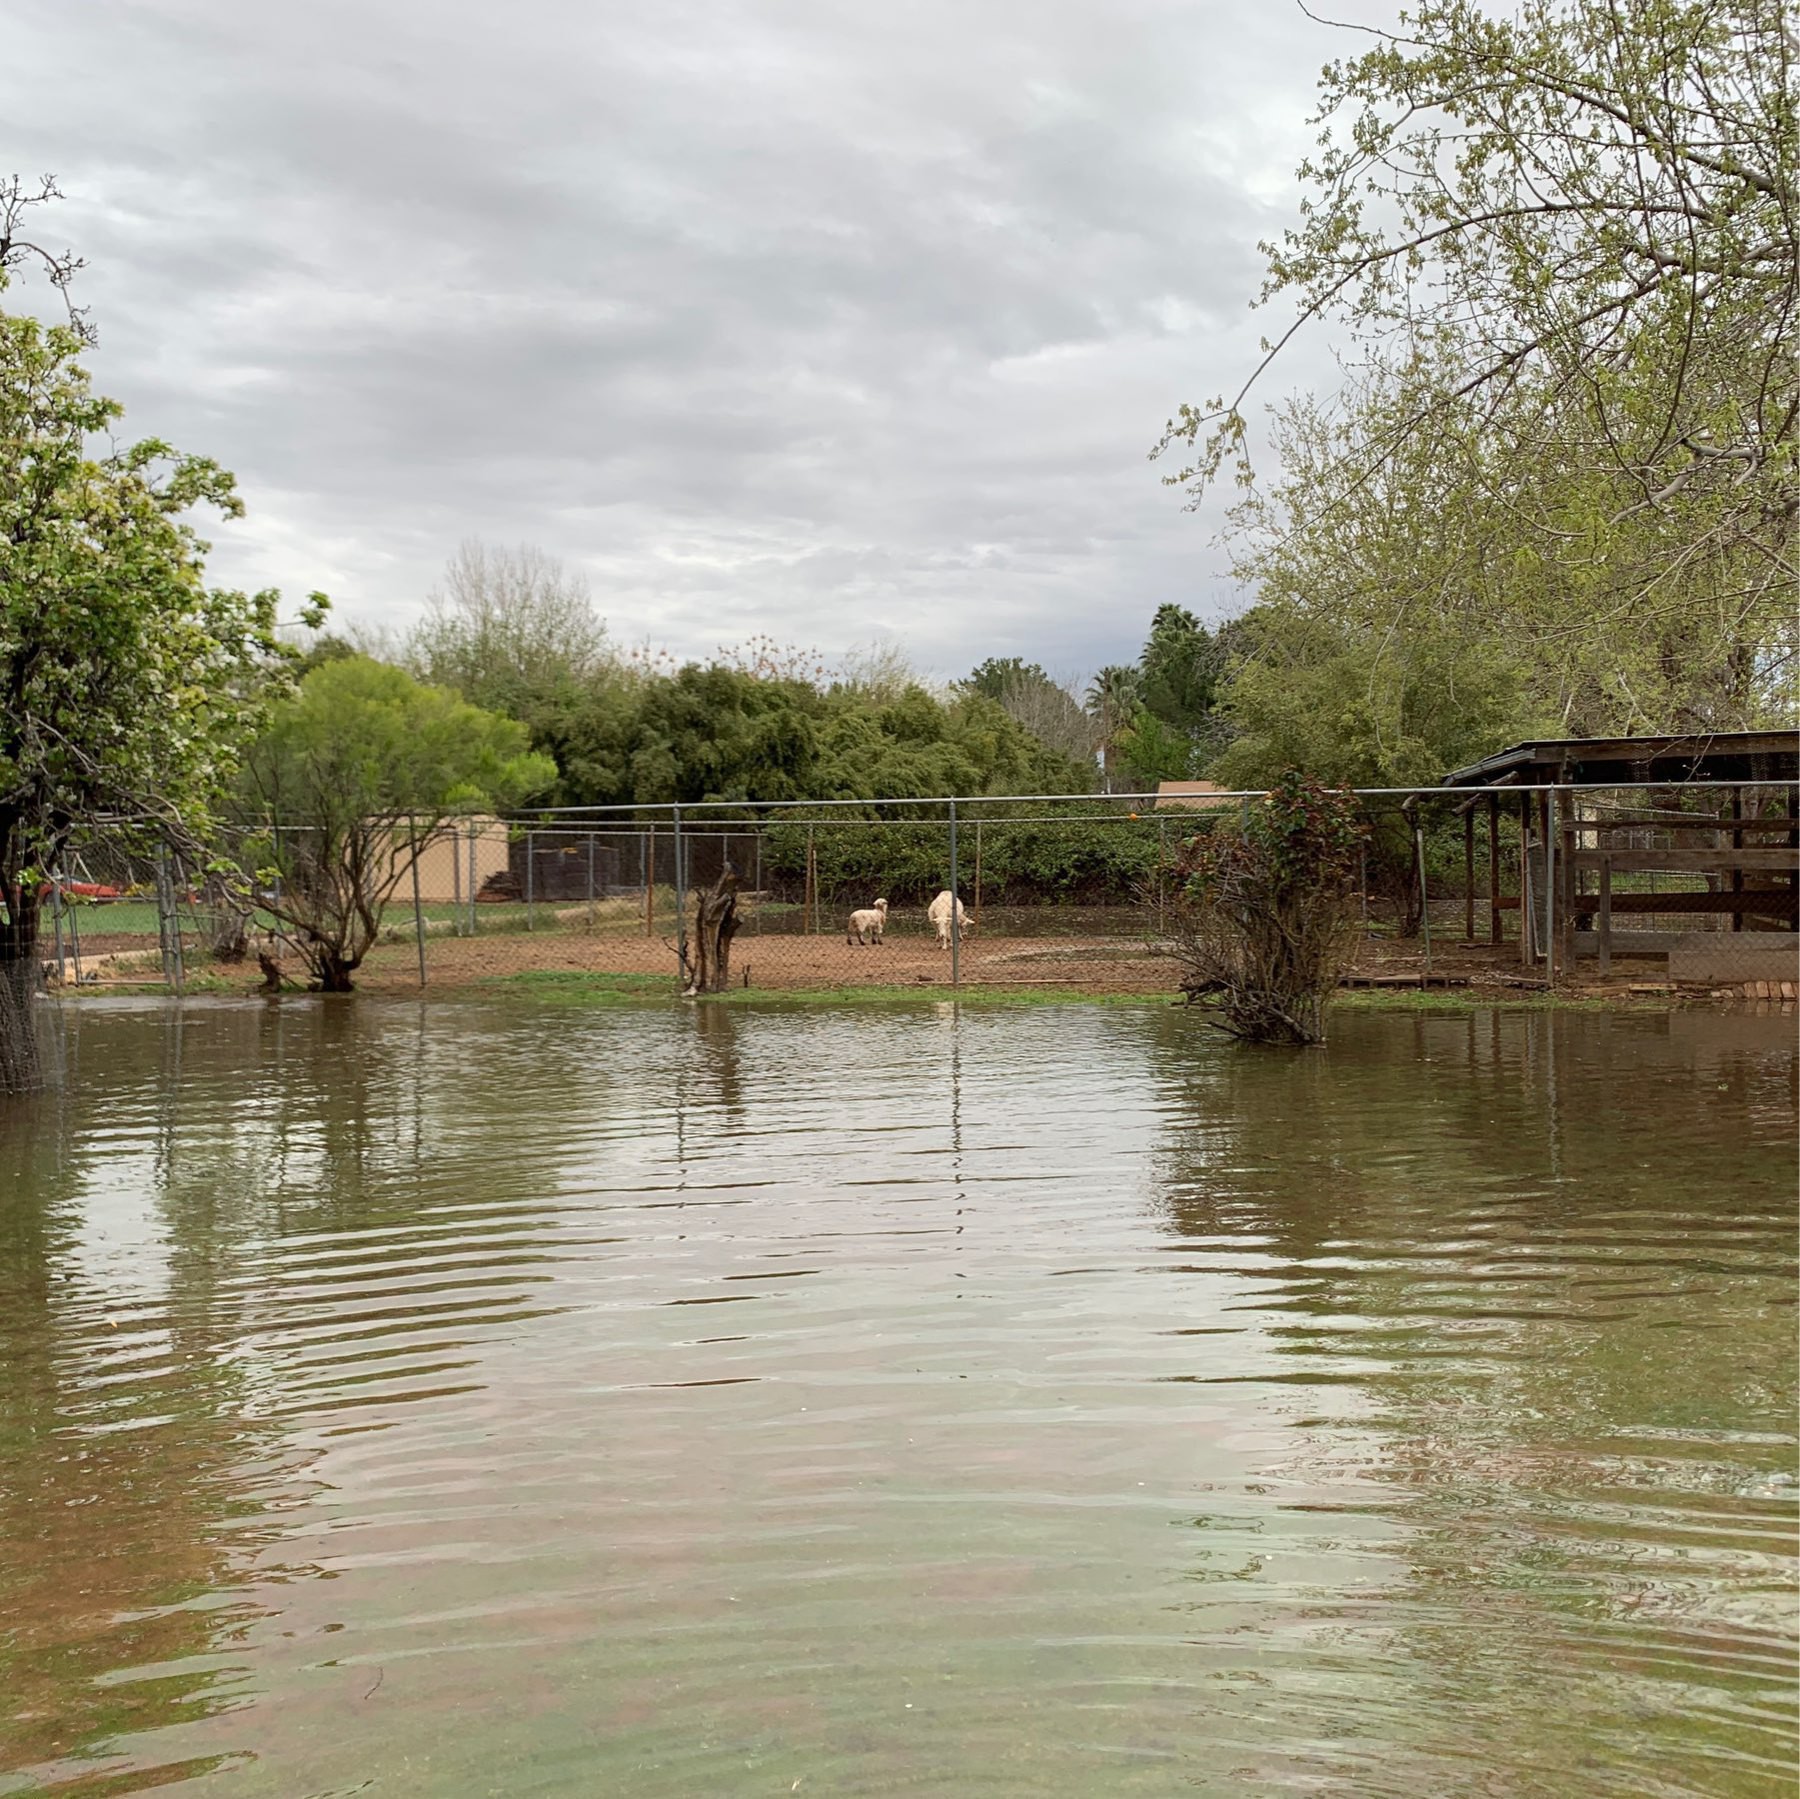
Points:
(1100, 1407)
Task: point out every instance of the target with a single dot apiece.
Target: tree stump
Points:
(708, 960)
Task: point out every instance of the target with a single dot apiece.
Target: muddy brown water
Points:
(475, 1397)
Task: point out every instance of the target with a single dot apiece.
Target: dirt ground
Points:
(1092, 961)
(1087, 963)
(789, 962)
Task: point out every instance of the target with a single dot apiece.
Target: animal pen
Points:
(1680, 866)
(1679, 849)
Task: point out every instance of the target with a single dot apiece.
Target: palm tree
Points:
(1112, 703)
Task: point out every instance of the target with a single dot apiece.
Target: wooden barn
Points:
(1678, 847)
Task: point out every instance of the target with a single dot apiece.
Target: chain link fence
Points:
(1686, 887)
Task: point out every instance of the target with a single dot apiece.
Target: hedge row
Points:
(1032, 862)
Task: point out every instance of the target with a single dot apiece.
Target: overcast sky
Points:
(824, 319)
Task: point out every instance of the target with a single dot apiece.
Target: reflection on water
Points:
(470, 1399)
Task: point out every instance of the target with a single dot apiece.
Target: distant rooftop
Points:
(1611, 761)
(1189, 796)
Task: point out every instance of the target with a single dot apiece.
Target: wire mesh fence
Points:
(1691, 886)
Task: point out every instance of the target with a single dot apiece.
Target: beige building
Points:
(463, 850)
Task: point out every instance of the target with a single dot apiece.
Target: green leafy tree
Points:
(509, 629)
(126, 685)
(1354, 709)
(1044, 706)
(1349, 710)
(1565, 245)
(1150, 751)
(1114, 699)
(1179, 670)
(1617, 624)
(352, 778)
(998, 674)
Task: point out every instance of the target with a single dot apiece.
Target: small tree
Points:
(1263, 922)
(353, 777)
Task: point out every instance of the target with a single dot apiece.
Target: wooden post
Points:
(1527, 930)
(1603, 922)
(1737, 843)
(1469, 875)
(1494, 931)
(1424, 895)
(1567, 882)
(1793, 837)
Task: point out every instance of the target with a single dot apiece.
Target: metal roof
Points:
(1611, 761)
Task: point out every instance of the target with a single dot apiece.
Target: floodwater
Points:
(474, 1398)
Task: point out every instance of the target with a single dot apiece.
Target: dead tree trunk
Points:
(715, 924)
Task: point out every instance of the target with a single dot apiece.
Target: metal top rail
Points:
(1181, 803)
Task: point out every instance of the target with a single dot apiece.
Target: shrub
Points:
(1264, 922)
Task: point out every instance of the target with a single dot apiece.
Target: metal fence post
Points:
(1162, 875)
(681, 954)
(590, 879)
(530, 880)
(1424, 892)
(418, 904)
(955, 909)
(162, 914)
(474, 831)
(175, 929)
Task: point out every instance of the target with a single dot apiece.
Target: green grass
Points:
(578, 988)
(1441, 999)
(575, 988)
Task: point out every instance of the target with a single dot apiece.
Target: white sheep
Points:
(939, 914)
(866, 926)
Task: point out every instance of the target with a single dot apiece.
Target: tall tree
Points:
(126, 685)
(1565, 244)
(1044, 706)
(508, 628)
(1179, 671)
(1114, 697)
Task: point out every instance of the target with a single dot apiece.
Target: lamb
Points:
(939, 914)
(866, 926)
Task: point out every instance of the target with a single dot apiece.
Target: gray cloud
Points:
(789, 316)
